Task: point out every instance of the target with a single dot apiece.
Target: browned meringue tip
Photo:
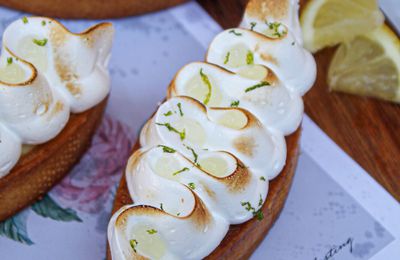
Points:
(98, 26)
(259, 9)
(199, 215)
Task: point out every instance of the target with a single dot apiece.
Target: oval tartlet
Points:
(54, 86)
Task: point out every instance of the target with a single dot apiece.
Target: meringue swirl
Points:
(46, 73)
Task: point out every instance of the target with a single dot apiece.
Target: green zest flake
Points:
(182, 134)
(161, 207)
(293, 43)
(206, 81)
(260, 85)
(180, 108)
(262, 178)
(178, 214)
(249, 58)
(260, 202)
(167, 149)
(275, 28)
(9, 60)
(194, 154)
(192, 185)
(253, 24)
(180, 171)
(248, 206)
(43, 23)
(259, 215)
(227, 57)
(40, 42)
(235, 33)
(151, 231)
(133, 244)
(235, 103)
(24, 19)
(168, 113)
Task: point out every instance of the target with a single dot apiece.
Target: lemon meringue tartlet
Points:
(51, 80)
(211, 149)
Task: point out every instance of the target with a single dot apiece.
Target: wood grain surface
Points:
(367, 129)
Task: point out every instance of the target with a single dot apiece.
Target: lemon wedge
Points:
(368, 65)
(329, 22)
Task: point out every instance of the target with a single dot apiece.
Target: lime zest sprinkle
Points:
(151, 231)
(43, 23)
(262, 178)
(258, 214)
(167, 149)
(235, 103)
(41, 42)
(248, 206)
(192, 185)
(9, 60)
(259, 85)
(235, 33)
(180, 108)
(207, 82)
(252, 24)
(195, 155)
(133, 243)
(228, 54)
(24, 19)
(249, 58)
(169, 113)
(180, 171)
(182, 134)
(275, 26)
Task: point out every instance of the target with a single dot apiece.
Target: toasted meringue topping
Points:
(210, 150)
(289, 61)
(273, 103)
(267, 16)
(231, 130)
(47, 72)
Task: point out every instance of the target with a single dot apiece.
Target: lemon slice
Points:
(368, 65)
(329, 22)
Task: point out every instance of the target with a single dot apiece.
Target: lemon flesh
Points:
(368, 65)
(329, 22)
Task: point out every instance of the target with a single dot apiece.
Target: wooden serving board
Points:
(365, 128)
(47, 164)
(242, 240)
(89, 9)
